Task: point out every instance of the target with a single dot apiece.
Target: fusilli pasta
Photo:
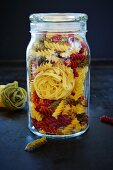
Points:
(74, 126)
(56, 46)
(35, 144)
(79, 109)
(58, 67)
(34, 114)
(32, 87)
(38, 45)
(41, 53)
(59, 109)
(79, 83)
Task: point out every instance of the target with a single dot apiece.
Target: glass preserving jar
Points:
(58, 59)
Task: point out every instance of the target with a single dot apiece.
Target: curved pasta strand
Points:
(62, 79)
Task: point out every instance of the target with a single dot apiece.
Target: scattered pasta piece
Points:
(12, 97)
(35, 144)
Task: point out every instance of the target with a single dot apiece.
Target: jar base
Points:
(33, 130)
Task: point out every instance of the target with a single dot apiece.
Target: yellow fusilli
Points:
(79, 83)
(59, 109)
(52, 58)
(32, 89)
(74, 126)
(35, 144)
(38, 46)
(41, 53)
(68, 53)
(79, 109)
(57, 46)
(34, 114)
(66, 110)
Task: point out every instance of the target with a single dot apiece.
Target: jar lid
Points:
(58, 22)
(58, 17)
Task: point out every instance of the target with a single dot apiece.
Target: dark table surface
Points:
(91, 151)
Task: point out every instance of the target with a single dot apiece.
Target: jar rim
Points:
(58, 17)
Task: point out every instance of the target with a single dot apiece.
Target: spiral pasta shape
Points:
(59, 109)
(72, 127)
(32, 89)
(54, 82)
(38, 46)
(69, 52)
(13, 97)
(41, 53)
(79, 109)
(35, 144)
(52, 58)
(49, 35)
(66, 110)
(57, 46)
(58, 67)
(34, 114)
(79, 83)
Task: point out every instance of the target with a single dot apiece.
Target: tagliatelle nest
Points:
(54, 82)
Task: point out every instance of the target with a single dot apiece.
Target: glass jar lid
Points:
(58, 22)
(58, 17)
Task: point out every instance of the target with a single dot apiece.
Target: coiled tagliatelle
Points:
(54, 82)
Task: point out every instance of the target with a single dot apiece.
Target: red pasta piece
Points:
(67, 62)
(81, 98)
(75, 73)
(56, 38)
(74, 64)
(64, 120)
(84, 47)
(81, 51)
(47, 102)
(34, 122)
(42, 102)
(34, 65)
(44, 110)
(34, 98)
(77, 57)
(106, 119)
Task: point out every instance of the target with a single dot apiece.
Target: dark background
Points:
(14, 27)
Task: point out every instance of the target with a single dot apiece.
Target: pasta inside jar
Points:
(58, 76)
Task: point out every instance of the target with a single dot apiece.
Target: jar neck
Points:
(58, 27)
(38, 35)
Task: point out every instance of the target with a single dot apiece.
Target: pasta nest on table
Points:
(54, 81)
